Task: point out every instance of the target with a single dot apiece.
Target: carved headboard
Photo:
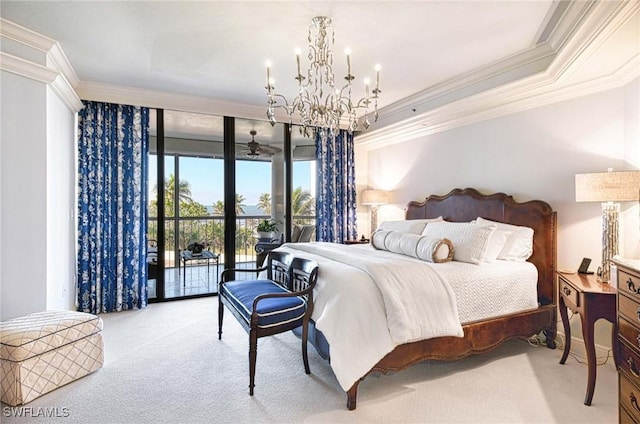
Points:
(463, 205)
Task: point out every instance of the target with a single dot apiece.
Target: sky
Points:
(206, 178)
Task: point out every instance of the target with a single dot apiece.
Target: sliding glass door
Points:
(203, 160)
(193, 192)
(259, 180)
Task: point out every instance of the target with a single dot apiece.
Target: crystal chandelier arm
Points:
(363, 103)
(274, 103)
(319, 105)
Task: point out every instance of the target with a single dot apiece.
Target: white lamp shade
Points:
(374, 197)
(608, 187)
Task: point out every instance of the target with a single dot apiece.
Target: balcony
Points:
(196, 277)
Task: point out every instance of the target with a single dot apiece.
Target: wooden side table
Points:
(592, 300)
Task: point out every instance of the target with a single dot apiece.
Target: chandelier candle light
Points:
(320, 105)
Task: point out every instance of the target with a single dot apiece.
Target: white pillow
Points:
(417, 246)
(378, 237)
(519, 245)
(496, 244)
(399, 242)
(470, 240)
(413, 226)
(434, 250)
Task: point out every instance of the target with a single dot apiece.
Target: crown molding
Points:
(603, 20)
(57, 72)
(25, 36)
(566, 20)
(25, 68)
(496, 74)
(528, 79)
(156, 99)
(58, 60)
(535, 92)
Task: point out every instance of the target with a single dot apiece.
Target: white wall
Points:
(37, 188)
(630, 216)
(531, 155)
(23, 191)
(61, 229)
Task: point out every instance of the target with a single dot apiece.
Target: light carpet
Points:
(164, 364)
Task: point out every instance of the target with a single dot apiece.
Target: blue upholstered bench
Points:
(280, 302)
(271, 310)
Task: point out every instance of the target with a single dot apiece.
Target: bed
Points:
(378, 351)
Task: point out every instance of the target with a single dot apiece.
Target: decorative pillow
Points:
(417, 246)
(295, 233)
(496, 243)
(435, 250)
(306, 233)
(378, 237)
(470, 240)
(519, 245)
(399, 242)
(413, 226)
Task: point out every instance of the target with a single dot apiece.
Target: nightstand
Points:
(592, 300)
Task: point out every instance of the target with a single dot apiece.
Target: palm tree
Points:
(264, 203)
(184, 190)
(218, 206)
(302, 203)
(240, 204)
(184, 194)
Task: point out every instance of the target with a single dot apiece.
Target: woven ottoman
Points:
(46, 350)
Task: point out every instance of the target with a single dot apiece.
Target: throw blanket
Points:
(368, 302)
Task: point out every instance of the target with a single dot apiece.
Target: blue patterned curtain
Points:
(336, 196)
(112, 214)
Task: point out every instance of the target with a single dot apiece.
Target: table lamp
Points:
(609, 188)
(374, 198)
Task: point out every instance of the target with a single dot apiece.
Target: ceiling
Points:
(217, 50)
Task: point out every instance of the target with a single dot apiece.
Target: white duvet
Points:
(367, 302)
(363, 320)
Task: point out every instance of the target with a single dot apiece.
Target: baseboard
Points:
(579, 350)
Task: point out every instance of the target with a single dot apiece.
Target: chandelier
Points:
(320, 104)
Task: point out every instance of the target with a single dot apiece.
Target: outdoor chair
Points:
(280, 302)
(300, 234)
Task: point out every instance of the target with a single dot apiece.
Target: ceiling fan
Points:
(254, 149)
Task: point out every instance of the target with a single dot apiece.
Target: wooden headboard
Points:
(463, 205)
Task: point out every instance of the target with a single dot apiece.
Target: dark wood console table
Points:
(592, 300)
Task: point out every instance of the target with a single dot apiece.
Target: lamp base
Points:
(374, 218)
(610, 231)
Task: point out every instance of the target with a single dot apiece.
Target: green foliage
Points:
(267, 225)
(218, 206)
(302, 202)
(193, 209)
(264, 203)
(211, 231)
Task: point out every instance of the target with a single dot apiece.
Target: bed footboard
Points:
(479, 337)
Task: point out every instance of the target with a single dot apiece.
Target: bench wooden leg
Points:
(305, 356)
(220, 317)
(253, 353)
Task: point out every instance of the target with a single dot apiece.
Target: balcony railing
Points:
(209, 230)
